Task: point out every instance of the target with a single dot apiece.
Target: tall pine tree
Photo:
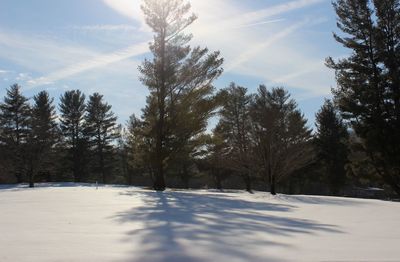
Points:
(14, 122)
(331, 143)
(176, 71)
(102, 132)
(42, 137)
(368, 90)
(72, 109)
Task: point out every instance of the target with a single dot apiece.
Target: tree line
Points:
(261, 140)
(36, 142)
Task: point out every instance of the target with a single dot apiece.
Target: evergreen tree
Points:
(14, 122)
(281, 135)
(217, 162)
(187, 123)
(176, 72)
(102, 132)
(235, 126)
(331, 143)
(43, 135)
(72, 109)
(368, 91)
(140, 148)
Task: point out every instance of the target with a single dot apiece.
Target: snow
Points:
(67, 222)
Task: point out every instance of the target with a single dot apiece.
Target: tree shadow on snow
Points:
(177, 223)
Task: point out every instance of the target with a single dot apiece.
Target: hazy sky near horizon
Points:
(97, 45)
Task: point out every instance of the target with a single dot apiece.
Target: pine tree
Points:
(235, 126)
(72, 109)
(331, 143)
(102, 132)
(140, 148)
(43, 135)
(187, 123)
(281, 135)
(368, 91)
(218, 161)
(176, 71)
(14, 122)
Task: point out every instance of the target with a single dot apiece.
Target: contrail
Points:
(99, 61)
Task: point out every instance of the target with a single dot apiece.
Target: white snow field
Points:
(66, 222)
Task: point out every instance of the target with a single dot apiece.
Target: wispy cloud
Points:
(40, 53)
(98, 61)
(259, 47)
(277, 10)
(105, 27)
(262, 23)
(256, 49)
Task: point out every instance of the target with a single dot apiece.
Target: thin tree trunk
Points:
(247, 181)
(103, 173)
(273, 185)
(218, 182)
(272, 181)
(31, 175)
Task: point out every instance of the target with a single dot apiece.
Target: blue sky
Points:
(96, 46)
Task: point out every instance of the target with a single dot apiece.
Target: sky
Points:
(97, 45)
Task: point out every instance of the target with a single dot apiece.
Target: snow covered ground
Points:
(79, 223)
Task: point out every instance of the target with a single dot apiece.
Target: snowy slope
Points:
(80, 223)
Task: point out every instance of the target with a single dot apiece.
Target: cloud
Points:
(128, 8)
(41, 53)
(23, 77)
(258, 48)
(4, 71)
(97, 61)
(54, 60)
(107, 27)
(277, 10)
(262, 23)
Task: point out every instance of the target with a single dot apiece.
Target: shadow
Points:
(177, 223)
(320, 200)
(25, 186)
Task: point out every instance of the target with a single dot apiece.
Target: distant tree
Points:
(235, 127)
(175, 73)
(217, 160)
(72, 109)
(360, 169)
(14, 122)
(331, 143)
(140, 147)
(102, 131)
(283, 140)
(368, 91)
(43, 135)
(122, 152)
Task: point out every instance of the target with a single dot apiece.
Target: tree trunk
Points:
(272, 181)
(103, 173)
(31, 176)
(159, 181)
(185, 177)
(247, 181)
(185, 181)
(218, 182)
(273, 186)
